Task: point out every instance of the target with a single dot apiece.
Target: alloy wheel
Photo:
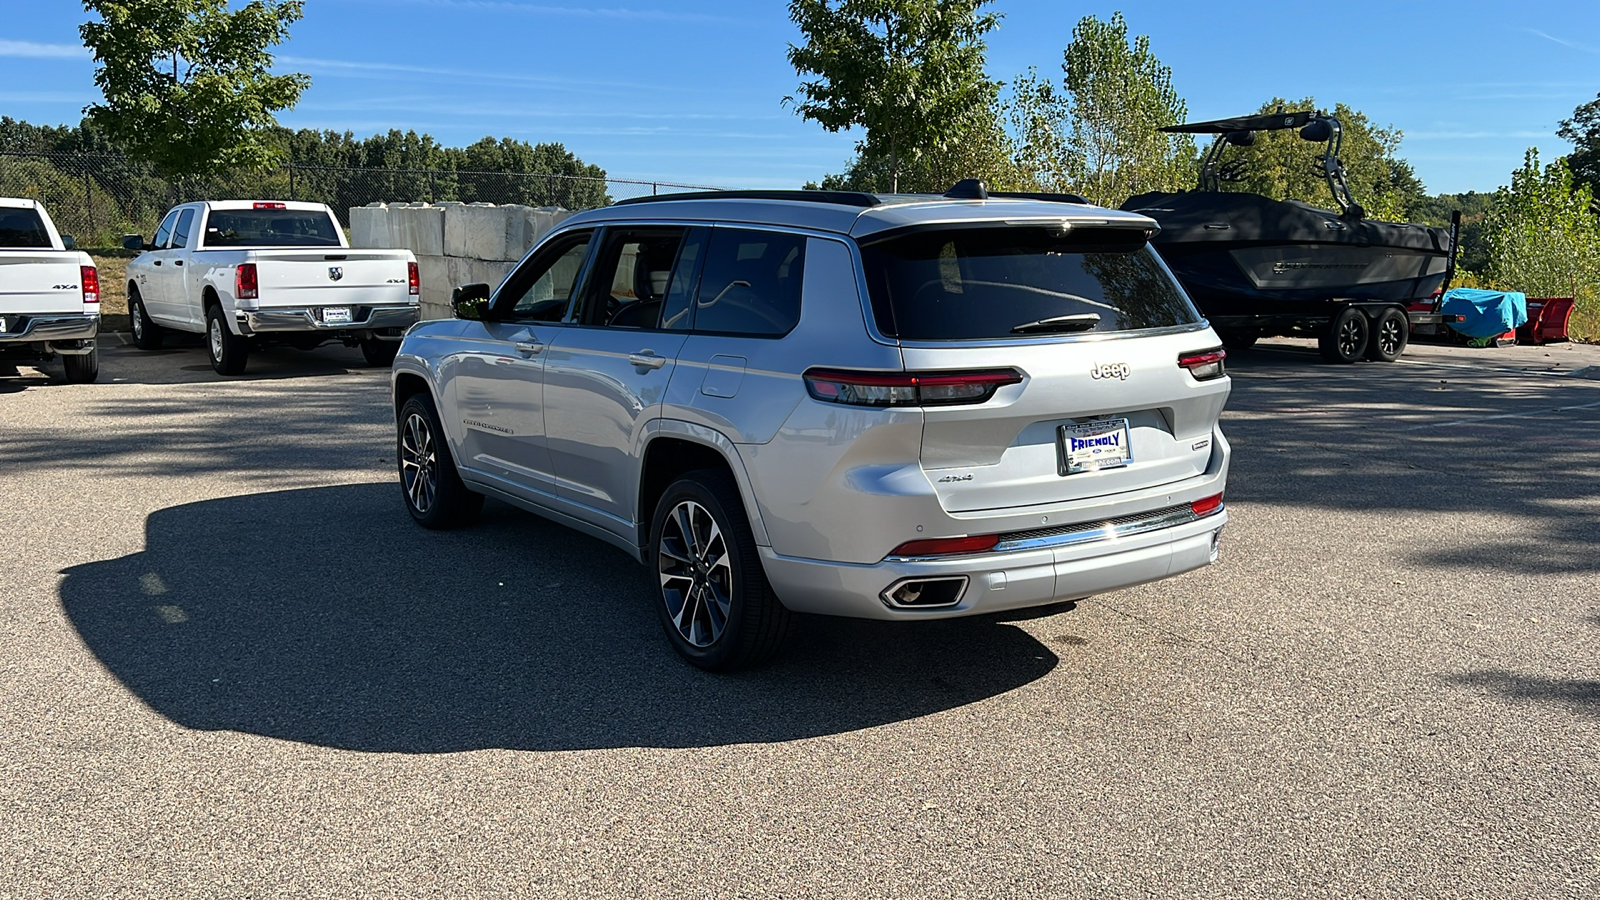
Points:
(418, 464)
(1388, 336)
(696, 573)
(136, 319)
(214, 332)
(1350, 337)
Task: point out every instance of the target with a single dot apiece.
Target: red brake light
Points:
(413, 280)
(948, 546)
(1206, 505)
(89, 277)
(269, 206)
(1206, 364)
(907, 388)
(244, 282)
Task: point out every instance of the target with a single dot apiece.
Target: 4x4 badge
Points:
(335, 272)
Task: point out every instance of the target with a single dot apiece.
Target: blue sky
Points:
(692, 91)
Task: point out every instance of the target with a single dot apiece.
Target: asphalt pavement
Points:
(231, 666)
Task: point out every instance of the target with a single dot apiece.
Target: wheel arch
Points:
(672, 448)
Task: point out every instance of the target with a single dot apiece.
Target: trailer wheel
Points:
(1238, 338)
(1345, 339)
(1391, 331)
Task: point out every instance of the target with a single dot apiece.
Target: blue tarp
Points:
(1487, 313)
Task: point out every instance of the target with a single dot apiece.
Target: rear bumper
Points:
(41, 329)
(256, 321)
(1016, 579)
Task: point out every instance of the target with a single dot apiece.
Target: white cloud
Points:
(1571, 45)
(33, 50)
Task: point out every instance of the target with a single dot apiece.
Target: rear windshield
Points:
(1013, 282)
(271, 228)
(22, 229)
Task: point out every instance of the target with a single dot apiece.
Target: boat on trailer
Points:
(1259, 267)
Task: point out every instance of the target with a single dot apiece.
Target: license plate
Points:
(336, 315)
(1091, 446)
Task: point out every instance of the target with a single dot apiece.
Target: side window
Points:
(542, 289)
(632, 277)
(164, 233)
(751, 283)
(180, 233)
(675, 310)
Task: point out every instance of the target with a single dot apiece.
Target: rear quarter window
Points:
(996, 282)
(22, 229)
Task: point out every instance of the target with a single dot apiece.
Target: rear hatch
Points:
(1096, 333)
(34, 276)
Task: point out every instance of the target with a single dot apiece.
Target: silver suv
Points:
(892, 407)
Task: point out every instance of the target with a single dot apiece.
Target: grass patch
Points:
(113, 266)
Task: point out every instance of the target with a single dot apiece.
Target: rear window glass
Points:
(270, 228)
(22, 229)
(751, 283)
(1005, 282)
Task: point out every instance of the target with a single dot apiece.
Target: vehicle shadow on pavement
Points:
(325, 616)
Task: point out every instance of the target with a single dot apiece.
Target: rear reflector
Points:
(413, 280)
(1206, 505)
(1204, 365)
(89, 277)
(907, 388)
(244, 282)
(269, 206)
(948, 546)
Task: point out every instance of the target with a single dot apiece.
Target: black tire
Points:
(379, 354)
(228, 351)
(1391, 331)
(723, 615)
(147, 335)
(1345, 339)
(433, 491)
(1238, 339)
(82, 368)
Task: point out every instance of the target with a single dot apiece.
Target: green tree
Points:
(1096, 131)
(186, 82)
(1282, 166)
(909, 72)
(1583, 130)
(1544, 239)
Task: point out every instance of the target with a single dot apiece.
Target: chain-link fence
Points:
(99, 198)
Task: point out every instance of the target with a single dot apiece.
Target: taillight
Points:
(907, 388)
(948, 546)
(89, 277)
(244, 282)
(1206, 505)
(1204, 365)
(269, 206)
(413, 281)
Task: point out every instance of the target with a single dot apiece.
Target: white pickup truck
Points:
(49, 293)
(249, 272)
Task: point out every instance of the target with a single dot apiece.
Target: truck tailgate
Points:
(345, 278)
(40, 281)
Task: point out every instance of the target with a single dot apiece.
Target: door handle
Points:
(647, 359)
(529, 347)
(157, 262)
(177, 262)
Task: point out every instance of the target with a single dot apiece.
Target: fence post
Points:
(654, 189)
(291, 183)
(433, 192)
(88, 201)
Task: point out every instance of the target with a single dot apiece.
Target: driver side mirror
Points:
(471, 301)
(134, 242)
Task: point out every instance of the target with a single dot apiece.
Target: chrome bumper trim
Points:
(305, 319)
(37, 329)
(1085, 532)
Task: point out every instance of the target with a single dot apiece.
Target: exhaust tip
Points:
(925, 593)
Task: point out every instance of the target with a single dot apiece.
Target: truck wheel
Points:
(82, 368)
(227, 350)
(379, 354)
(147, 335)
(1238, 338)
(435, 495)
(715, 604)
(1391, 330)
(1345, 339)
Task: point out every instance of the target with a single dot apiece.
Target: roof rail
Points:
(1038, 195)
(838, 198)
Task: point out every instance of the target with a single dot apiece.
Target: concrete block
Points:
(475, 232)
(436, 309)
(418, 228)
(369, 226)
(526, 226)
(434, 272)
